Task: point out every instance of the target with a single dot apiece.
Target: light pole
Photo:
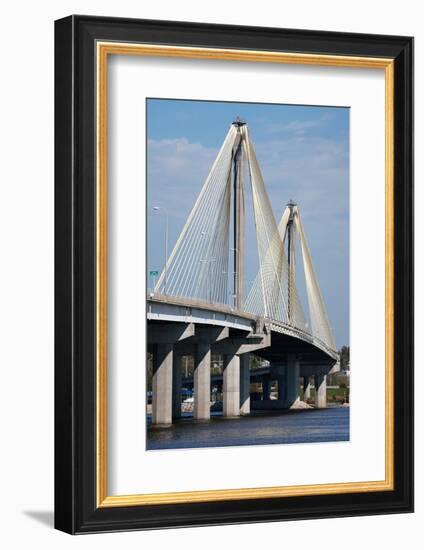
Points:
(158, 209)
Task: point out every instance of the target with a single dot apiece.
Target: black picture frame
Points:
(76, 508)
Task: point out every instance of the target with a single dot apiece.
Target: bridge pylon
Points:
(238, 170)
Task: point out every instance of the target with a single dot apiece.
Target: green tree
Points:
(344, 358)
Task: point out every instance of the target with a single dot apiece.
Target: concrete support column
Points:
(306, 388)
(202, 382)
(162, 384)
(245, 384)
(231, 386)
(292, 381)
(176, 386)
(282, 383)
(320, 391)
(266, 389)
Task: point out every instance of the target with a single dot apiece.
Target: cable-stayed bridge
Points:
(199, 305)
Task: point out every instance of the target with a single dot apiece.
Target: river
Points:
(260, 428)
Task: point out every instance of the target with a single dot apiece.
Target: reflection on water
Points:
(265, 428)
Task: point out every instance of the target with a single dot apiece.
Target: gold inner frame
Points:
(104, 49)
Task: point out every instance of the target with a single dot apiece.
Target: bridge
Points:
(199, 306)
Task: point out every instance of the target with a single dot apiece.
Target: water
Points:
(261, 428)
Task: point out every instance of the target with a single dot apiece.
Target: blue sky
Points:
(303, 153)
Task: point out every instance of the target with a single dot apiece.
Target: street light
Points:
(158, 209)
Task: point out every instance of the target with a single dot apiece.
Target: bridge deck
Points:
(285, 339)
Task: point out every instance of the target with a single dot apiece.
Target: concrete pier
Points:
(292, 381)
(266, 389)
(231, 386)
(176, 386)
(245, 384)
(306, 388)
(162, 384)
(280, 373)
(320, 391)
(202, 382)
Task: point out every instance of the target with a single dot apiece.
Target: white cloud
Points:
(168, 154)
(295, 127)
(177, 169)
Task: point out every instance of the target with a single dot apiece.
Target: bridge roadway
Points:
(177, 327)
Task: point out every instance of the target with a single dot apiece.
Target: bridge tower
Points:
(239, 211)
(291, 247)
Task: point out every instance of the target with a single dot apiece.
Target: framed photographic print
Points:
(233, 272)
